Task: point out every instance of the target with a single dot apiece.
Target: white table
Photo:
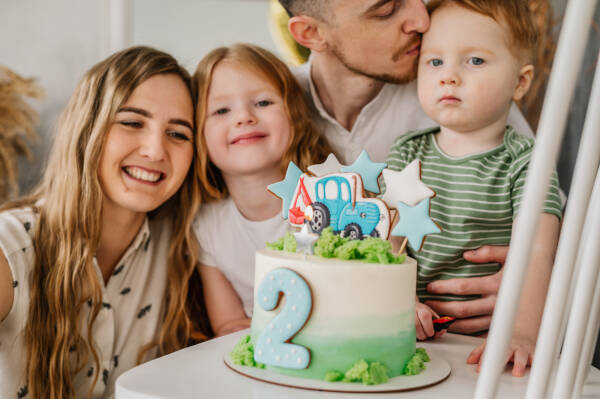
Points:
(199, 372)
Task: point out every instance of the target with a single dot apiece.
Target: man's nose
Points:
(417, 20)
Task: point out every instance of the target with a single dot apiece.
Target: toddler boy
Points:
(475, 60)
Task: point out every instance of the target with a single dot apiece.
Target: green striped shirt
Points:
(477, 198)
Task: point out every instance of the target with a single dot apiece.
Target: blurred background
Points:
(55, 42)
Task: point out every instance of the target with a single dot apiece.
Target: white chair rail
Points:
(584, 320)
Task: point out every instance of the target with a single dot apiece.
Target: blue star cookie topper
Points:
(368, 170)
(285, 188)
(415, 223)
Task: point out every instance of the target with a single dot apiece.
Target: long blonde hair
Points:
(69, 204)
(307, 146)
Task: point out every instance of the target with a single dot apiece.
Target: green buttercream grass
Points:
(287, 243)
(243, 353)
(333, 376)
(329, 245)
(369, 374)
(416, 364)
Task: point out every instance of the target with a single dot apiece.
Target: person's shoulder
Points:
(17, 227)
(211, 216)
(517, 145)
(415, 137)
(213, 209)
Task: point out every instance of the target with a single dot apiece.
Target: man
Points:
(360, 78)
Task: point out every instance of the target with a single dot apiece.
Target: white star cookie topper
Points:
(305, 240)
(405, 186)
(331, 165)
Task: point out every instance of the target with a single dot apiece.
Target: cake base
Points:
(437, 371)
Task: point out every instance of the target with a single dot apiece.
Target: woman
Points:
(95, 264)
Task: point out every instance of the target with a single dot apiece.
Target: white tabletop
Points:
(199, 372)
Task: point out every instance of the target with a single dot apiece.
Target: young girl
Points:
(95, 264)
(253, 121)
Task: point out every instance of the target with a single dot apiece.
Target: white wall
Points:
(56, 41)
(189, 29)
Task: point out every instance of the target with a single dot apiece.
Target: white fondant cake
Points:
(357, 311)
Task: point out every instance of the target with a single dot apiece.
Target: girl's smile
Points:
(249, 138)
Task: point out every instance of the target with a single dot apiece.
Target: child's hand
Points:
(520, 354)
(423, 322)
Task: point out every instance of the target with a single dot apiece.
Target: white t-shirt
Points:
(132, 311)
(394, 111)
(229, 242)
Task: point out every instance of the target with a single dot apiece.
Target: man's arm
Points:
(474, 315)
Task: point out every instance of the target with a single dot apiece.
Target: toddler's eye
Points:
(221, 111)
(264, 103)
(476, 61)
(436, 62)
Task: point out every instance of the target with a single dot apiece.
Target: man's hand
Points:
(474, 315)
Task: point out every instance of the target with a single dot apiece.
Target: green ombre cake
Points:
(358, 312)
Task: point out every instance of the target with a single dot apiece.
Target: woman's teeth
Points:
(142, 174)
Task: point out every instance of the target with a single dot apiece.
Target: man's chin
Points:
(408, 75)
(397, 78)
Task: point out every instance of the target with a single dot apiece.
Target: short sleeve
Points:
(16, 230)
(552, 204)
(204, 235)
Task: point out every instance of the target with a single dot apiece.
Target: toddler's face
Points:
(467, 75)
(247, 127)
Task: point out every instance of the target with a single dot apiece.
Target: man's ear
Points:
(307, 32)
(524, 82)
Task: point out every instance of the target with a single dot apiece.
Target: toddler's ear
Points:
(524, 82)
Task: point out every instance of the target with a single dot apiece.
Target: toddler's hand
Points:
(423, 322)
(520, 354)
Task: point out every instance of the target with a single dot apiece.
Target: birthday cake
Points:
(332, 302)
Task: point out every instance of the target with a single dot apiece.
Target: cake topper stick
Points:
(353, 192)
(403, 246)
